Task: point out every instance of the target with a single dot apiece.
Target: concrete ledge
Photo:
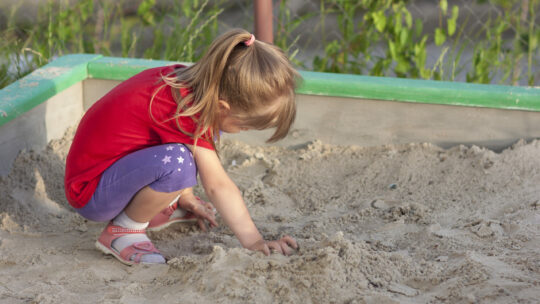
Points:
(367, 122)
(65, 71)
(35, 128)
(35, 88)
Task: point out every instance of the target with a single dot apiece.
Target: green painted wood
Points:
(42, 84)
(421, 91)
(367, 87)
(112, 68)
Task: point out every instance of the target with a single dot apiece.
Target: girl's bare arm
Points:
(226, 197)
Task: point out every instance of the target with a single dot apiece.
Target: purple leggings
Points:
(165, 168)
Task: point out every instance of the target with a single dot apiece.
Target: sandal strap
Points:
(113, 232)
(116, 230)
(170, 210)
(135, 251)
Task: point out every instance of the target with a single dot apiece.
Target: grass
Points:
(366, 27)
(108, 28)
(374, 37)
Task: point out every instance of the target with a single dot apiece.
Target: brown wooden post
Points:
(264, 29)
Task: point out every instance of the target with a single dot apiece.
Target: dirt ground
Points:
(389, 224)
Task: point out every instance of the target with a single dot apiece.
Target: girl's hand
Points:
(204, 211)
(282, 246)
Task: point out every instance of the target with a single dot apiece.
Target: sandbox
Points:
(398, 191)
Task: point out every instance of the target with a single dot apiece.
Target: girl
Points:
(140, 146)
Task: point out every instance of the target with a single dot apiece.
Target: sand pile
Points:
(390, 224)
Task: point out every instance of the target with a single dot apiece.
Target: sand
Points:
(390, 224)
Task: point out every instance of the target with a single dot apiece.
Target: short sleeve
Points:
(166, 128)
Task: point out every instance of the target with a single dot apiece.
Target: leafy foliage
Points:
(181, 32)
(374, 37)
(367, 26)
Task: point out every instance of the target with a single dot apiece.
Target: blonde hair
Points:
(248, 78)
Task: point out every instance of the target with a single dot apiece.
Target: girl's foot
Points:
(170, 215)
(173, 214)
(130, 246)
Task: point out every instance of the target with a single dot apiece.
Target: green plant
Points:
(376, 37)
(495, 56)
(406, 45)
(60, 28)
(340, 55)
(182, 31)
(372, 27)
(15, 59)
(384, 22)
(185, 38)
(447, 29)
(286, 25)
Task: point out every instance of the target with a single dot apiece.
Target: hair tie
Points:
(250, 41)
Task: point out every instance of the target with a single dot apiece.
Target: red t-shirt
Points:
(119, 124)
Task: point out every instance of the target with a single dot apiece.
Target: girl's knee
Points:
(176, 158)
(177, 168)
(94, 213)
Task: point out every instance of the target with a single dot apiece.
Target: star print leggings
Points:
(165, 168)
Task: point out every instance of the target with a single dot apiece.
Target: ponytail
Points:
(244, 72)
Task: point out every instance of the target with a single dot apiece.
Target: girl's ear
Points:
(224, 107)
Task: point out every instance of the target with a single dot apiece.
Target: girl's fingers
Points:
(211, 208)
(210, 217)
(204, 209)
(212, 220)
(290, 241)
(285, 248)
(265, 249)
(275, 246)
(202, 225)
(206, 204)
(206, 214)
